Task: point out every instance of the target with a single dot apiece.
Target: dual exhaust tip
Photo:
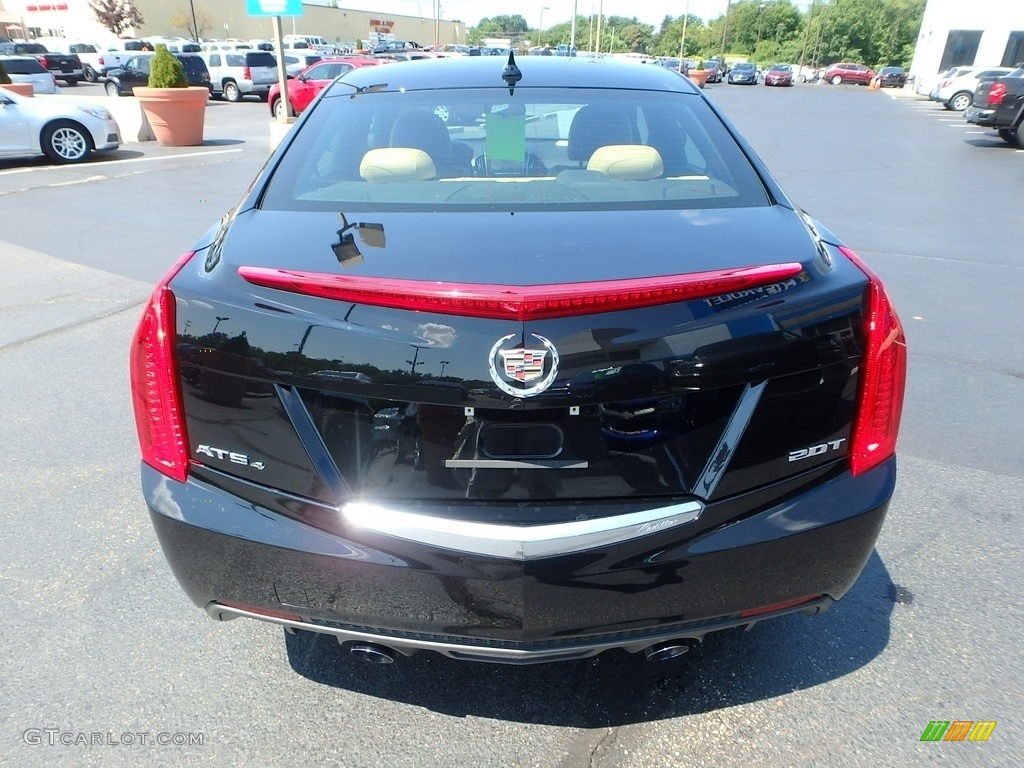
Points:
(373, 653)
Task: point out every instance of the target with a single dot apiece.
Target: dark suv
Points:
(849, 73)
(999, 104)
(122, 80)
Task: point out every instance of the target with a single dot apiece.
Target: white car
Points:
(63, 132)
(955, 88)
(27, 69)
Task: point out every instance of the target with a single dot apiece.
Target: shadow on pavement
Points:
(729, 668)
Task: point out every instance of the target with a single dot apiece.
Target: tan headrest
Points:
(628, 162)
(396, 164)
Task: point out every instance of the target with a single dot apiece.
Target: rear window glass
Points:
(194, 64)
(82, 48)
(260, 59)
(543, 149)
(23, 67)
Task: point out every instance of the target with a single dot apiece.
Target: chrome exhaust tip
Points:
(372, 653)
(666, 651)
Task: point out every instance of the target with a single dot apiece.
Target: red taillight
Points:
(883, 377)
(246, 73)
(519, 302)
(43, 61)
(100, 61)
(156, 392)
(996, 93)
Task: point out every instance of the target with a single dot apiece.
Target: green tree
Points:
(166, 71)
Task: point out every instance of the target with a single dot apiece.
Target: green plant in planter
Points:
(700, 66)
(4, 79)
(165, 71)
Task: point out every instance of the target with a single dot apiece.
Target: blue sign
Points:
(274, 7)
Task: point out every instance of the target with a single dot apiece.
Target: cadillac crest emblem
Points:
(522, 371)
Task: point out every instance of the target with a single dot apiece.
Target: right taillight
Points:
(996, 93)
(883, 377)
(156, 391)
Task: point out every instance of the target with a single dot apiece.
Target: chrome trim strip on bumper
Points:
(587, 646)
(518, 542)
(515, 464)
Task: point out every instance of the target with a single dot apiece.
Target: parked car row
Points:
(955, 87)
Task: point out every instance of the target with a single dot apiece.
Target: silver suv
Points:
(955, 87)
(235, 74)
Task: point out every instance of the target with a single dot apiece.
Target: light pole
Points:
(572, 34)
(219, 321)
(415, 359)
(540, 28)
(725, 27)
(760, 23)
(195, 26)
(682, 40)
(443, 364)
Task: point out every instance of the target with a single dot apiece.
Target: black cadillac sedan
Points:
(633, 394)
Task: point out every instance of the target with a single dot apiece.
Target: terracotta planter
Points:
(22, 89)
(698, 76)
(176, 115)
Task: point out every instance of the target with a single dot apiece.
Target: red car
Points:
(779, 74)
(849, 73)
(313, 79)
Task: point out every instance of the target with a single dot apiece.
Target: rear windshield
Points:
(260, 59)
(82, 48)
(193, 65)
(543, 149)
(23, 67)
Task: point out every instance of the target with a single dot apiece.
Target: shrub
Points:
(700, 66)
(4, 79)
(166, 71)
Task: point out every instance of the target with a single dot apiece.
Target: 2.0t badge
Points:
(522, 371)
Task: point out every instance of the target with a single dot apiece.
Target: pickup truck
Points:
(63, 66)
(999, 104)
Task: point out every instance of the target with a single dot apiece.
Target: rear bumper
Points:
(980, 116)
(234, 558)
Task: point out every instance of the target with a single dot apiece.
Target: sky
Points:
(554, 11)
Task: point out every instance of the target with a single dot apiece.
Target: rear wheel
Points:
(1011, 136)
(90, 75)
(71, 81)
(112, 89)
(65, 142)
(836, 79)
(960, 101)
(280, 111)
(231, 92)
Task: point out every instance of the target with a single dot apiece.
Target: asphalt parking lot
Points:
(101, 640)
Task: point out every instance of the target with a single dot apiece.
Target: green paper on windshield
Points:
(506, 137)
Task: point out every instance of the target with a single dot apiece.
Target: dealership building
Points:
(954, 32)
(74, 19)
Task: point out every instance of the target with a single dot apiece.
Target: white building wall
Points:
(996, 19)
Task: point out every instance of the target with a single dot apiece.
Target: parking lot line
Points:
(13, 171)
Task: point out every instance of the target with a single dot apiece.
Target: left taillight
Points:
(996, 94)
(883, 377)
(156, 388)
